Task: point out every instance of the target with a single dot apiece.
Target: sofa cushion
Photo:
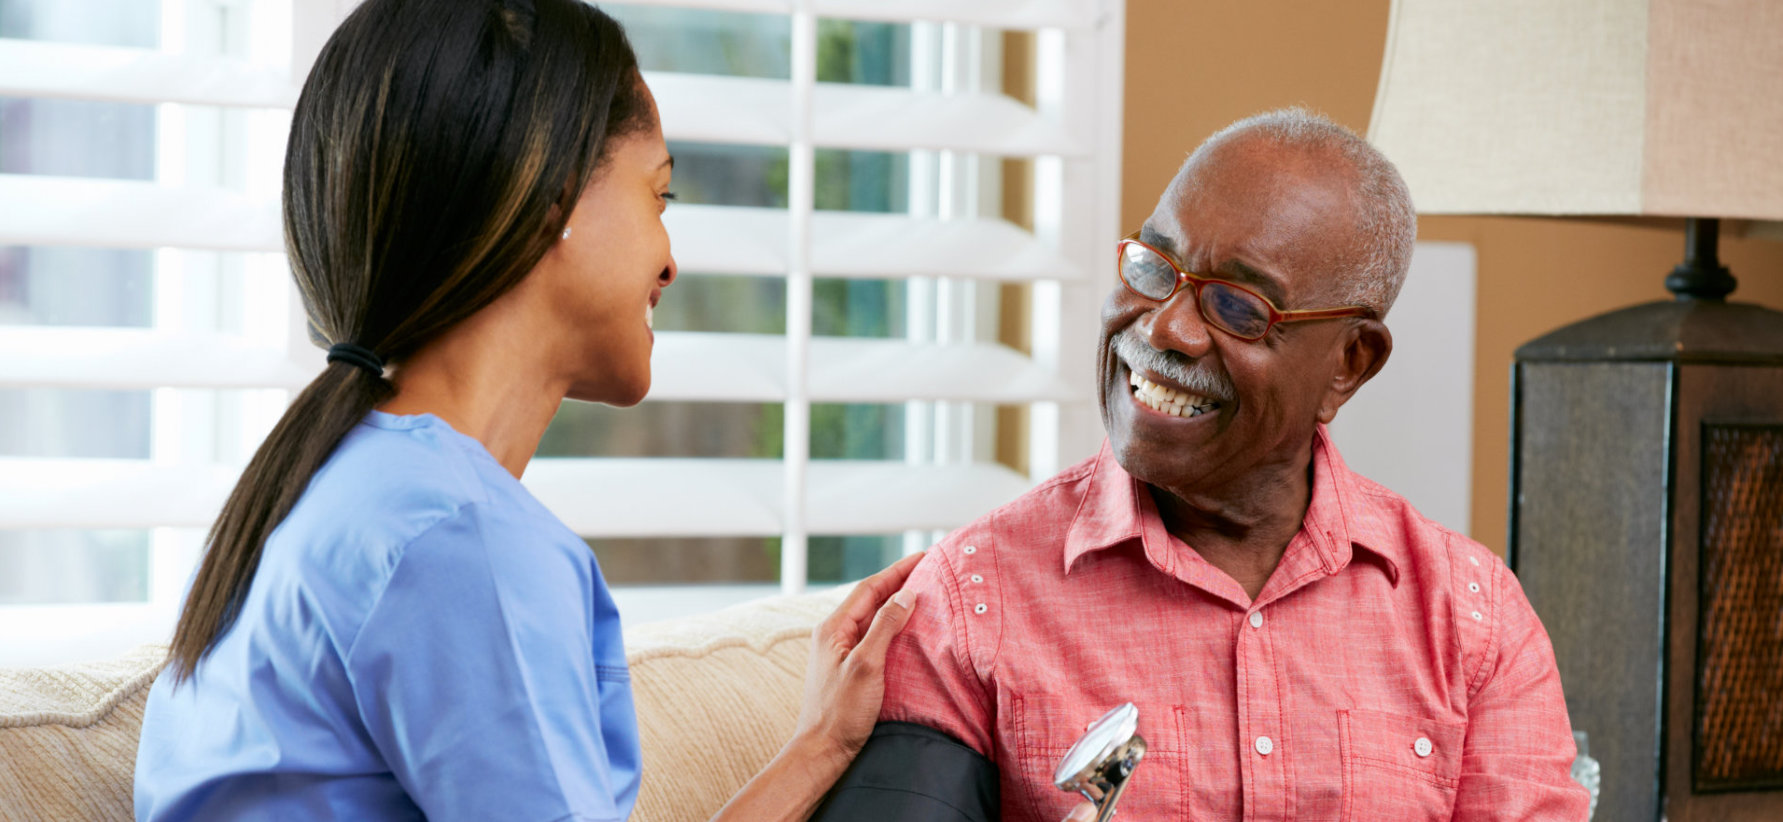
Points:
(68, 736)
(717, 694)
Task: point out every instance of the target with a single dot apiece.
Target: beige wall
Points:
(1195, 65)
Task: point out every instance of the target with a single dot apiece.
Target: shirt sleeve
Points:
(475, 676)
(1517, 761)
(930, 676)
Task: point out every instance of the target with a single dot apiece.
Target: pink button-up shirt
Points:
(1390, 669)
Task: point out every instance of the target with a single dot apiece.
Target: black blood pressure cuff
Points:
(913, 773)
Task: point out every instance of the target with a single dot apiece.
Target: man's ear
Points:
(1365, 348)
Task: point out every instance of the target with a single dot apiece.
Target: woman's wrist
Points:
(790, 788)
(822, 753)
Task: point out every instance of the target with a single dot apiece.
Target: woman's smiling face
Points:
(601, 283)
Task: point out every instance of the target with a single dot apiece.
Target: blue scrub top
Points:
(422, 640)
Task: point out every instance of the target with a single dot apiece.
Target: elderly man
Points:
(1300, 642)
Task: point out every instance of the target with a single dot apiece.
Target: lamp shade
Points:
(1590, 107)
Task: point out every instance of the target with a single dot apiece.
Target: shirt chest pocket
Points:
(1398, 767)
(1047, 728)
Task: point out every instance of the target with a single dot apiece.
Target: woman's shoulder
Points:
(404, 465)
(406, 493)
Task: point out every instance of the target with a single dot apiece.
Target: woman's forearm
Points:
(790, 787)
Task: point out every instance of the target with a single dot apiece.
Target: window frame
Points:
(1070, 137)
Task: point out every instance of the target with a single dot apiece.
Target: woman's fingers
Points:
(1084, 812)
(869, 655)
(844, 679)
(870, 594)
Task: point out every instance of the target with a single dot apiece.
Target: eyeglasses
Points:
(1226, 305)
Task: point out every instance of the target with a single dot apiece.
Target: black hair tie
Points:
(357, 355)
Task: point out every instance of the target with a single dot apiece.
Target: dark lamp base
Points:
(1647, 530)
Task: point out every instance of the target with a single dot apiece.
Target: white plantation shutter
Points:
(250, 333)
(221, 350)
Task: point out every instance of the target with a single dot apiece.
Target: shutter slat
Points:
(898, 119)
(857, 370)
(140, 359)
(96, 493)
(660, 497)
(861, 497)
(1001, 14)
(755, 111)
(706, 108)
(745, 6)
(82, 72)
(690, 366)
(736, 240)
(707, 239)
(130, 214)
(852, 244)
(687, 366)
(594, 497)
(998, 14)
(695, 366)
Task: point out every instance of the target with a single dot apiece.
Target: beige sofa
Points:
(717, 694)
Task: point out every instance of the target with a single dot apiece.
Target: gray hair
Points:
(1385, 220)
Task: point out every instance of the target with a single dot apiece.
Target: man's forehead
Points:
(1251, 209)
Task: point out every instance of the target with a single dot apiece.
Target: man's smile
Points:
(1166, 382)
(1167, 400)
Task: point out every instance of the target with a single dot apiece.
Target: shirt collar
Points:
(1109, 512)
(1117, 508)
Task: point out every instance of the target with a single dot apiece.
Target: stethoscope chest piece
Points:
(1102, 762)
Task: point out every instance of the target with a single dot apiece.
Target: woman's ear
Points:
(1364, 348)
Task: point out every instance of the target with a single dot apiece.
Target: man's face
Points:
(1276, 220)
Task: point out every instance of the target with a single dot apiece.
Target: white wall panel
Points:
(1411, 427)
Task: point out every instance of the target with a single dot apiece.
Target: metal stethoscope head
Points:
(1102, 762)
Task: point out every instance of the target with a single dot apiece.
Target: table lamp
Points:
(1647, 443)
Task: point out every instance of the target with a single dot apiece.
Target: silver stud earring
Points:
(566, 232)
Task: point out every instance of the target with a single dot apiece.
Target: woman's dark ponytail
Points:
(434, 155)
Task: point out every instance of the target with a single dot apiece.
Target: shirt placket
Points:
(1265, 750)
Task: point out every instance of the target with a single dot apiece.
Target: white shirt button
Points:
(1265, 745)
(1422, 747)
(1474, 560)
(979, 608)
(970, 549)
(1477, 616)
(1256, 619)
(1474, 587)
(977, 578)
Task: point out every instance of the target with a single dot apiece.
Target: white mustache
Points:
(1192, 375)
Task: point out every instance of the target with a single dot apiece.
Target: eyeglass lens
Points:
(1233, 309)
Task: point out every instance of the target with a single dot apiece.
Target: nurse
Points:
(386, 625)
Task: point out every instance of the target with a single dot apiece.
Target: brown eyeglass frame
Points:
(1183, 278)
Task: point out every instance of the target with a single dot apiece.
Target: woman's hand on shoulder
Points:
(845, 678)
(844, 684)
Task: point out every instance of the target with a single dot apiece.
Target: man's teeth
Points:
(649, 316)
(1169, 400)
